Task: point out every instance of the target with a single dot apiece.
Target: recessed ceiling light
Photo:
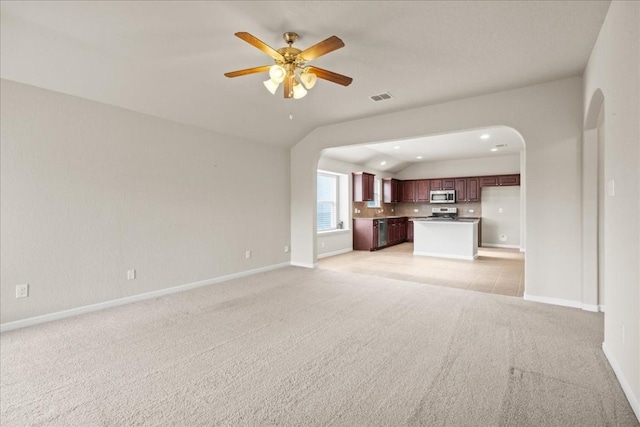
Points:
(485, 136)
(494, 149)
(418, 157)
(397, 147)
(382, 163)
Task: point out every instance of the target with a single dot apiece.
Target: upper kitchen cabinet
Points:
(422, 190)
(408, 191)
(391, 190)
(467, 189)
(497, 180)
(362, 186)
(443, 184)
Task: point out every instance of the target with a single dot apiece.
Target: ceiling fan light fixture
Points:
(298, 90)
(277, 73)
(271, 86)
(308, 79)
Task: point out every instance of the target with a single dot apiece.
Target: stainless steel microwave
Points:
(442, 196)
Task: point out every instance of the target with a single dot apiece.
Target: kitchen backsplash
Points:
(408, 209)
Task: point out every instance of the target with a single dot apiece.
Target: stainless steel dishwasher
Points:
(382, 233)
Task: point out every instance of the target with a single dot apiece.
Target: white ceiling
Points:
(393, 156)
(167, 58)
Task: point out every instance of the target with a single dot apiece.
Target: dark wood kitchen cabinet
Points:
(409, 191)
(397, 231)
(409, 231)
(423, 187)
(443, 184)
(362, 186)
(365, 234)
(498, 180)
(393, 232)
(391, 190)
(467, 189)
(509, 179)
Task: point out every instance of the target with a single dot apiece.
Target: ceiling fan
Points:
(291, 66)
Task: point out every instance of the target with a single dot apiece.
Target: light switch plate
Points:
(612, 188)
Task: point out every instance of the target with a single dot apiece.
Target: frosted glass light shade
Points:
(308, 79)
(298, 91)
(271, 86)
(277, 73)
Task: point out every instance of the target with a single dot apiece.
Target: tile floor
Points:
(497, 271)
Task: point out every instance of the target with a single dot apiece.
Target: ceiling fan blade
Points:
(322, 48)
(238, 73)
(288, 86)
(260, 45)
(331, 76)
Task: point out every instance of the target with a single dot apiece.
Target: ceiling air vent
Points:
(381, 97)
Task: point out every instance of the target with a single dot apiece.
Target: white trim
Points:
(23, 323)
(438, 255)
(303, 264)
(591, 307)
(564, 303)
(633, 400)
(341, 251)
(498, 245)
(553, 301)
(333, 231)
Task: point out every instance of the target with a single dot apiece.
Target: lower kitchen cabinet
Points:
(365, 234)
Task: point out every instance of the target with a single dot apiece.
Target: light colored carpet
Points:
(299, 347)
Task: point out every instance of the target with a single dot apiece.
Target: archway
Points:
(494, 150)
(593, 205)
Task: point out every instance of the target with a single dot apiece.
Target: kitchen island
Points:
(446, 239)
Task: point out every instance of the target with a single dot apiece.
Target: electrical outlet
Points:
(322, 244)
(416, 210)
(131, 274)
(22, 291)
(471, 211)
(247, 254)
(286, 249)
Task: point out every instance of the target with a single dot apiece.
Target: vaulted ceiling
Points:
(167, 58)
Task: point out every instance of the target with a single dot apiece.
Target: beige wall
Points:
(613, 74)
(89, 191)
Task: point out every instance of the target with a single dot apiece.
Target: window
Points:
(375, 203)
(327, 201)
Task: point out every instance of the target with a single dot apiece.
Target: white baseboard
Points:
(334, 253)
(303, 264)
(553, 301)
(564, 303)
(632, 398)
(591, 307)
(497, 245)
(438, 255)
(23, 323)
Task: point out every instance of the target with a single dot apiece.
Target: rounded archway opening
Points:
(486, 151)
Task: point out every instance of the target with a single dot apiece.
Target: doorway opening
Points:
(480, 152)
